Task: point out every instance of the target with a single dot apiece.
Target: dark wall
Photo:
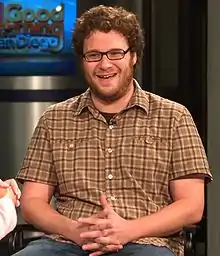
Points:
(176, 57)
(213, 79)
(176, 54)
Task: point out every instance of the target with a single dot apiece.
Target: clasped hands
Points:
(107, 231)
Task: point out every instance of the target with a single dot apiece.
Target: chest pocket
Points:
(77, 164)
(146, 160)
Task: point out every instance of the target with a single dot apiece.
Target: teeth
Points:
(106, 76)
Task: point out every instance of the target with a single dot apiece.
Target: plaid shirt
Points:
(131, 159)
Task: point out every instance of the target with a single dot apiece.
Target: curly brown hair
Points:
(106, 18)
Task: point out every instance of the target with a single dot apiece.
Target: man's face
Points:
(109, 80)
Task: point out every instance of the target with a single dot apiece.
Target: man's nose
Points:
(105, 62)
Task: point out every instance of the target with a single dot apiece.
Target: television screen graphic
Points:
(35, 37)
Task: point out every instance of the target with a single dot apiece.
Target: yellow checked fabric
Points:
(132, 159)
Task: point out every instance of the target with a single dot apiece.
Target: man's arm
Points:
(187, 175)
(37, 172)
(36, 210)
(187, 209)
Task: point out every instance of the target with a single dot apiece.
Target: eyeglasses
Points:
(113, 54)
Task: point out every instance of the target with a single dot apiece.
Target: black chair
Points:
(25, 233)
(189, 240)
(21, 236)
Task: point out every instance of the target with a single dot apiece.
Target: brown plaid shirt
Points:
(131, 159)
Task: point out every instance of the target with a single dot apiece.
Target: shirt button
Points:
(110, 176)
(111, 126)
(71, 146)
(109, 150)
(112, 198)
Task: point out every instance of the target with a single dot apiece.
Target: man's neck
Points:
(115, 106)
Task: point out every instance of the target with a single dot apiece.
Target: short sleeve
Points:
(38, 163)
(188, 153)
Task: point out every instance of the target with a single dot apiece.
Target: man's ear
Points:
(134, 58)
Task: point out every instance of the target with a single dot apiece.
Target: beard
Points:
(123, 86)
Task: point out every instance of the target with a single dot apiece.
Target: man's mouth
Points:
(106, 76)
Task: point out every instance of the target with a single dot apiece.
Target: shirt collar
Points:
(140, 98)
(84, 101)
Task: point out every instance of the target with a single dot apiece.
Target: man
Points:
(9, 198)
(127, 166)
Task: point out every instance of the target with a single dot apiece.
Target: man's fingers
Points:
(104, 226)
(104, 202)
(106, 249)
(90, 220)
(102, 214)
(107, 208)
(112, 248)
(95, 232)
(99, 247)
(106, 240)
(91, 247)
(99, 223)
(91, 234)
(97, 253)
(108, 231)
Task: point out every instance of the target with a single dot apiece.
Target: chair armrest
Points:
(189, 234)
(21, 236)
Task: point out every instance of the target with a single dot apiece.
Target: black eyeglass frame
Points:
(124, 52)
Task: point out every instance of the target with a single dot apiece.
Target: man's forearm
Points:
(165, 222)
(44, 217)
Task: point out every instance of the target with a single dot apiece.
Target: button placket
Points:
(110, 176)
(113, 198)
(109, 141)
(109, 150)
(111, 126)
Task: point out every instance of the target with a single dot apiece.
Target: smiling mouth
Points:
(106, 76)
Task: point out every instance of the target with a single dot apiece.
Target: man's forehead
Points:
(102, 41)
